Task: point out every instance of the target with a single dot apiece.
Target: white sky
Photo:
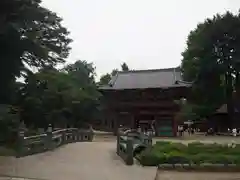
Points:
(146, 34)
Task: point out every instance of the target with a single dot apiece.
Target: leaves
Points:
(211, 59)
(124, 67)
(30, 36)
(60, 97)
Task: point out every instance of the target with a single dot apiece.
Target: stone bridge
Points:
(77, 161)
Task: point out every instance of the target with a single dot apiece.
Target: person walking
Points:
(234, 132)
(189, 131)
(180, 130)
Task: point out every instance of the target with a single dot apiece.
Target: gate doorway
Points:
(145, 122)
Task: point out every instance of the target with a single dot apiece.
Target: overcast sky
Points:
(146, 34)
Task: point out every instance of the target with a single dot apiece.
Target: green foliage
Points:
(9, 121)
(60, 97)
(124, 67)
(30, 36)
(211, 61)
(173, 153)
(148, 158)
(114, 72)
(104, 79)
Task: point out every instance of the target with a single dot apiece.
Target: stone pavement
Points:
(13, 178)
(90, 161)
(173, 175)
(77, 161)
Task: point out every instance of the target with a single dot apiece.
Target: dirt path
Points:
(85, 161)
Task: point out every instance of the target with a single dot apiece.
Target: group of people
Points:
(190, 130)
(234, 131)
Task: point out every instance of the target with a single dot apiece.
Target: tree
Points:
(212, 60)
(114, 72)
(124, 67)
(104, 79)
(65, 97)
(30, 36)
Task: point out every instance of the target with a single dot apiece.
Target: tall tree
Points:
(124, 67)
(212, 58)
(104, 79)
(83, 75)
(30, 36)
(67, 97)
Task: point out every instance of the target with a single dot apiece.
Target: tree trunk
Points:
(229, 96)
(237, 84)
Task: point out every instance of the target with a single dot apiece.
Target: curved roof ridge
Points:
(149, 70)
(150, 78)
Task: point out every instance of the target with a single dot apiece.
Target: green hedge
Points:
(172, 153)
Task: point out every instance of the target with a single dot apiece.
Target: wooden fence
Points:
(50, 140)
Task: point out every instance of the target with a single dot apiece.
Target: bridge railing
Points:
(125, 149)
(130, 142)
(51, 140)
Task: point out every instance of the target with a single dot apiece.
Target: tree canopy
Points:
(58, 97)
(124, 67)
(104, 79)
(30, 36)
(212, 60)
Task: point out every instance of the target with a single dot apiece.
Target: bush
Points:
(168, 147)
(151, 157)
(148, 159)
(200, 158)
(176, 157)
(221, 159)
(162, 143)
(172, 153)
(236, 160)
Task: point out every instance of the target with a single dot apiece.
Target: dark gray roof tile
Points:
(142, 79)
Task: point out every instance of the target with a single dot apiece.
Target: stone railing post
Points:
(72, 136)
(79, 137)
(63, 137)
(118, 143)
(20, 144)
(91, 136)
(49, 141)
(75, 135)
(129, 159)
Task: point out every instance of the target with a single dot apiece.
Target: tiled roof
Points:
(142, 79)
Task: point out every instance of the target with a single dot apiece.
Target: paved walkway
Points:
(13, 178)
(88, 161)
(77, 161)
(173, 175)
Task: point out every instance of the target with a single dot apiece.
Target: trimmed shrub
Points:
(221, 159)
(176, 157)
(162, 143)
(236, 160)
(200, 158)
(168, 147)
(197, 153)
(148, 159)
